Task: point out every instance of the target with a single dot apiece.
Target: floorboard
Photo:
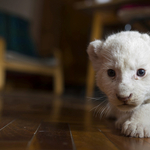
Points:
(44, 122)
(52, 136)
(90, 138)
(122, 142)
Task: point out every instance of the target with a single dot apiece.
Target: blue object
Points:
(15, 31)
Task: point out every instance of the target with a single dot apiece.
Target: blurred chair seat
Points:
(10, 60)
(12, 56)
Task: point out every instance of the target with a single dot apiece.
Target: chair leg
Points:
(58, 81)
(90, 81)
(96, 33)
(2, 69)
(2, 78)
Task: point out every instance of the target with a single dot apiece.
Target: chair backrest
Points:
(15, 31)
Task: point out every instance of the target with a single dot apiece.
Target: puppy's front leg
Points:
(138, 125)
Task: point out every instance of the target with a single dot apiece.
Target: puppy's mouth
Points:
(127, 104)
(126, 107)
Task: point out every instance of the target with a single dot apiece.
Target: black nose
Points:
(124, 99)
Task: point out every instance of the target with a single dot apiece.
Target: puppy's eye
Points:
(111, 73)
(141, 72)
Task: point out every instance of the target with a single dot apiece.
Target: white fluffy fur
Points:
(125, 52)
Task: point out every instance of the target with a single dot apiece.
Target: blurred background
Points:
(33, 30)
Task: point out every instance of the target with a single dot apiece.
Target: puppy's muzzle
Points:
(124, 99)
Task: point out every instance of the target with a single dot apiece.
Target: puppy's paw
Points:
(135, 129)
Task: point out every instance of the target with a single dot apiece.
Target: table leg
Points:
(96, 33)
(2, 68)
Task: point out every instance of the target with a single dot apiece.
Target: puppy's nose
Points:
(124, 99)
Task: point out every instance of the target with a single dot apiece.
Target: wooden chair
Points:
(31, 67)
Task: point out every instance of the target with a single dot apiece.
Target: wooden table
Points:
(44, 122)
(102, 14)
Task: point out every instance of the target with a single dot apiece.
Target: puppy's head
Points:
(122, 65)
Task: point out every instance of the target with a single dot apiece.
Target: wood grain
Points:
(44, 122)
(52, 136)
(87, 138)
(122, 142)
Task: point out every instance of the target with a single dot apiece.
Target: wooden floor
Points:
(44, 122)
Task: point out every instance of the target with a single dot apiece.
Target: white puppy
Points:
(122, 65)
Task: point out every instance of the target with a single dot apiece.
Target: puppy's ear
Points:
(93, 50)
(145, 37)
